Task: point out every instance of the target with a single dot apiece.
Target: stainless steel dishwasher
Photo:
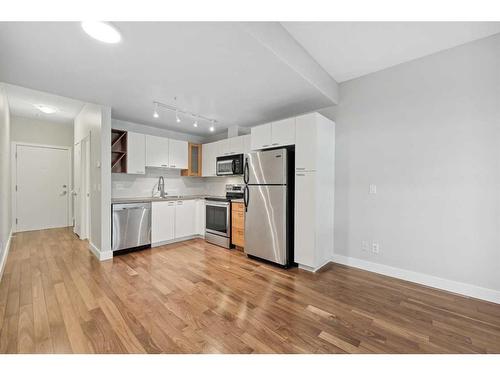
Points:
(131, 225)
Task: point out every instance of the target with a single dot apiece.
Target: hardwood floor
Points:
(193, 297)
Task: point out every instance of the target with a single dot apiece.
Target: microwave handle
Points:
(233, 166)
(246, 172)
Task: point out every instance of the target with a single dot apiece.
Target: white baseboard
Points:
(101, 255)
(161, 243)
(313, 269)
(421, 278)
(5, 252)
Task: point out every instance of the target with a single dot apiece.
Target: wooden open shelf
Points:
(118, 151)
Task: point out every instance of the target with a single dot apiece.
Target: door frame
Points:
(13, 173)
(85, 189)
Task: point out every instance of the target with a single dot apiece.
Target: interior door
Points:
(77, 189)
(43, 182)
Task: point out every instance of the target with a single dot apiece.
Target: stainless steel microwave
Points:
(229, 165)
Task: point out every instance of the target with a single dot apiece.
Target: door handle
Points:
(64, 193)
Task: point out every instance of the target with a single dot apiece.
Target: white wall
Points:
(427, 133)
(41, 132)
(134, 186)
(5, 178)
(96, 120)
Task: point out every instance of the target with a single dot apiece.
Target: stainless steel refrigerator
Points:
(268, 202)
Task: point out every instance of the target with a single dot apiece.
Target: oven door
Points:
(217, 218)
(225, 167)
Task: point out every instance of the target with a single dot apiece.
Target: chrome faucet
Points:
(161, 187)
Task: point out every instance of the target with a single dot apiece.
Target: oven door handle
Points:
(233, 166)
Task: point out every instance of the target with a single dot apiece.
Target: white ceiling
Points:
(215, 69)
(22, 101)
(348, 50)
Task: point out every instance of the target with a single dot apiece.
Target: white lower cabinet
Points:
(200, 217)
(174, 220)
(305, 218)
(314, 191)
(185, 218)
(162, 221)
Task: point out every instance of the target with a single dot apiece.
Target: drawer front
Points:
(238, 219)
(238, 237)
(238, 207)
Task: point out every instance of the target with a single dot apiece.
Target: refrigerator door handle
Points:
(246, 197)
(246, 172)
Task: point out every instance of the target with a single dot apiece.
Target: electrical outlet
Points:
(373, 189)
(364, 246)
(375, 248)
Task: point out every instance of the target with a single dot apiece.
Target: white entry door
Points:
(42, 187)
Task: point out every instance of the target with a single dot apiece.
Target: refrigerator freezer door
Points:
(266, 167)
(265, 223)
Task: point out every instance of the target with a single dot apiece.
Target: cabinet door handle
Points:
(180, 202)
(265, 145)
(300, 169)
(299, 174)
(164, 165)
(275, 144)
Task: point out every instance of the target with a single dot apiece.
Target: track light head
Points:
(155, 112)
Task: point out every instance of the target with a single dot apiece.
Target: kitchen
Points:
(257, 192)
(249, 187)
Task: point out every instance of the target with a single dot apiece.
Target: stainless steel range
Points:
(218, 216)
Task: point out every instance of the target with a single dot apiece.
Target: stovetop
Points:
(233, 191)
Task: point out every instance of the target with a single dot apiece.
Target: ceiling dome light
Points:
(177, 116)
(47, 109)
(195, 123)
(102, 31)
(212, 127)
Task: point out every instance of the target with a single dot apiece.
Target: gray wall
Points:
(427, 133)
(5, 198)
(42, 132)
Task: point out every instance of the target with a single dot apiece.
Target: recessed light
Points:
(102, 31)
(47, 109)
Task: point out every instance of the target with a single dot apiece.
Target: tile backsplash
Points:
(129, 185)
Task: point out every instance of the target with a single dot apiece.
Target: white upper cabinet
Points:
(157, 151)
(306, 144)
(283, 132)
(273, 134)
(136, 153)
(178, 154)
(166, 153)
(236, 145)
(208, 159)
(247, 143)
(261, 136)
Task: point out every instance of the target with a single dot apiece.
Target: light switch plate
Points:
(373, 189)
(364, 246)
(375, 247)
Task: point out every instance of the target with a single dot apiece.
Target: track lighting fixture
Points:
(197, 118)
